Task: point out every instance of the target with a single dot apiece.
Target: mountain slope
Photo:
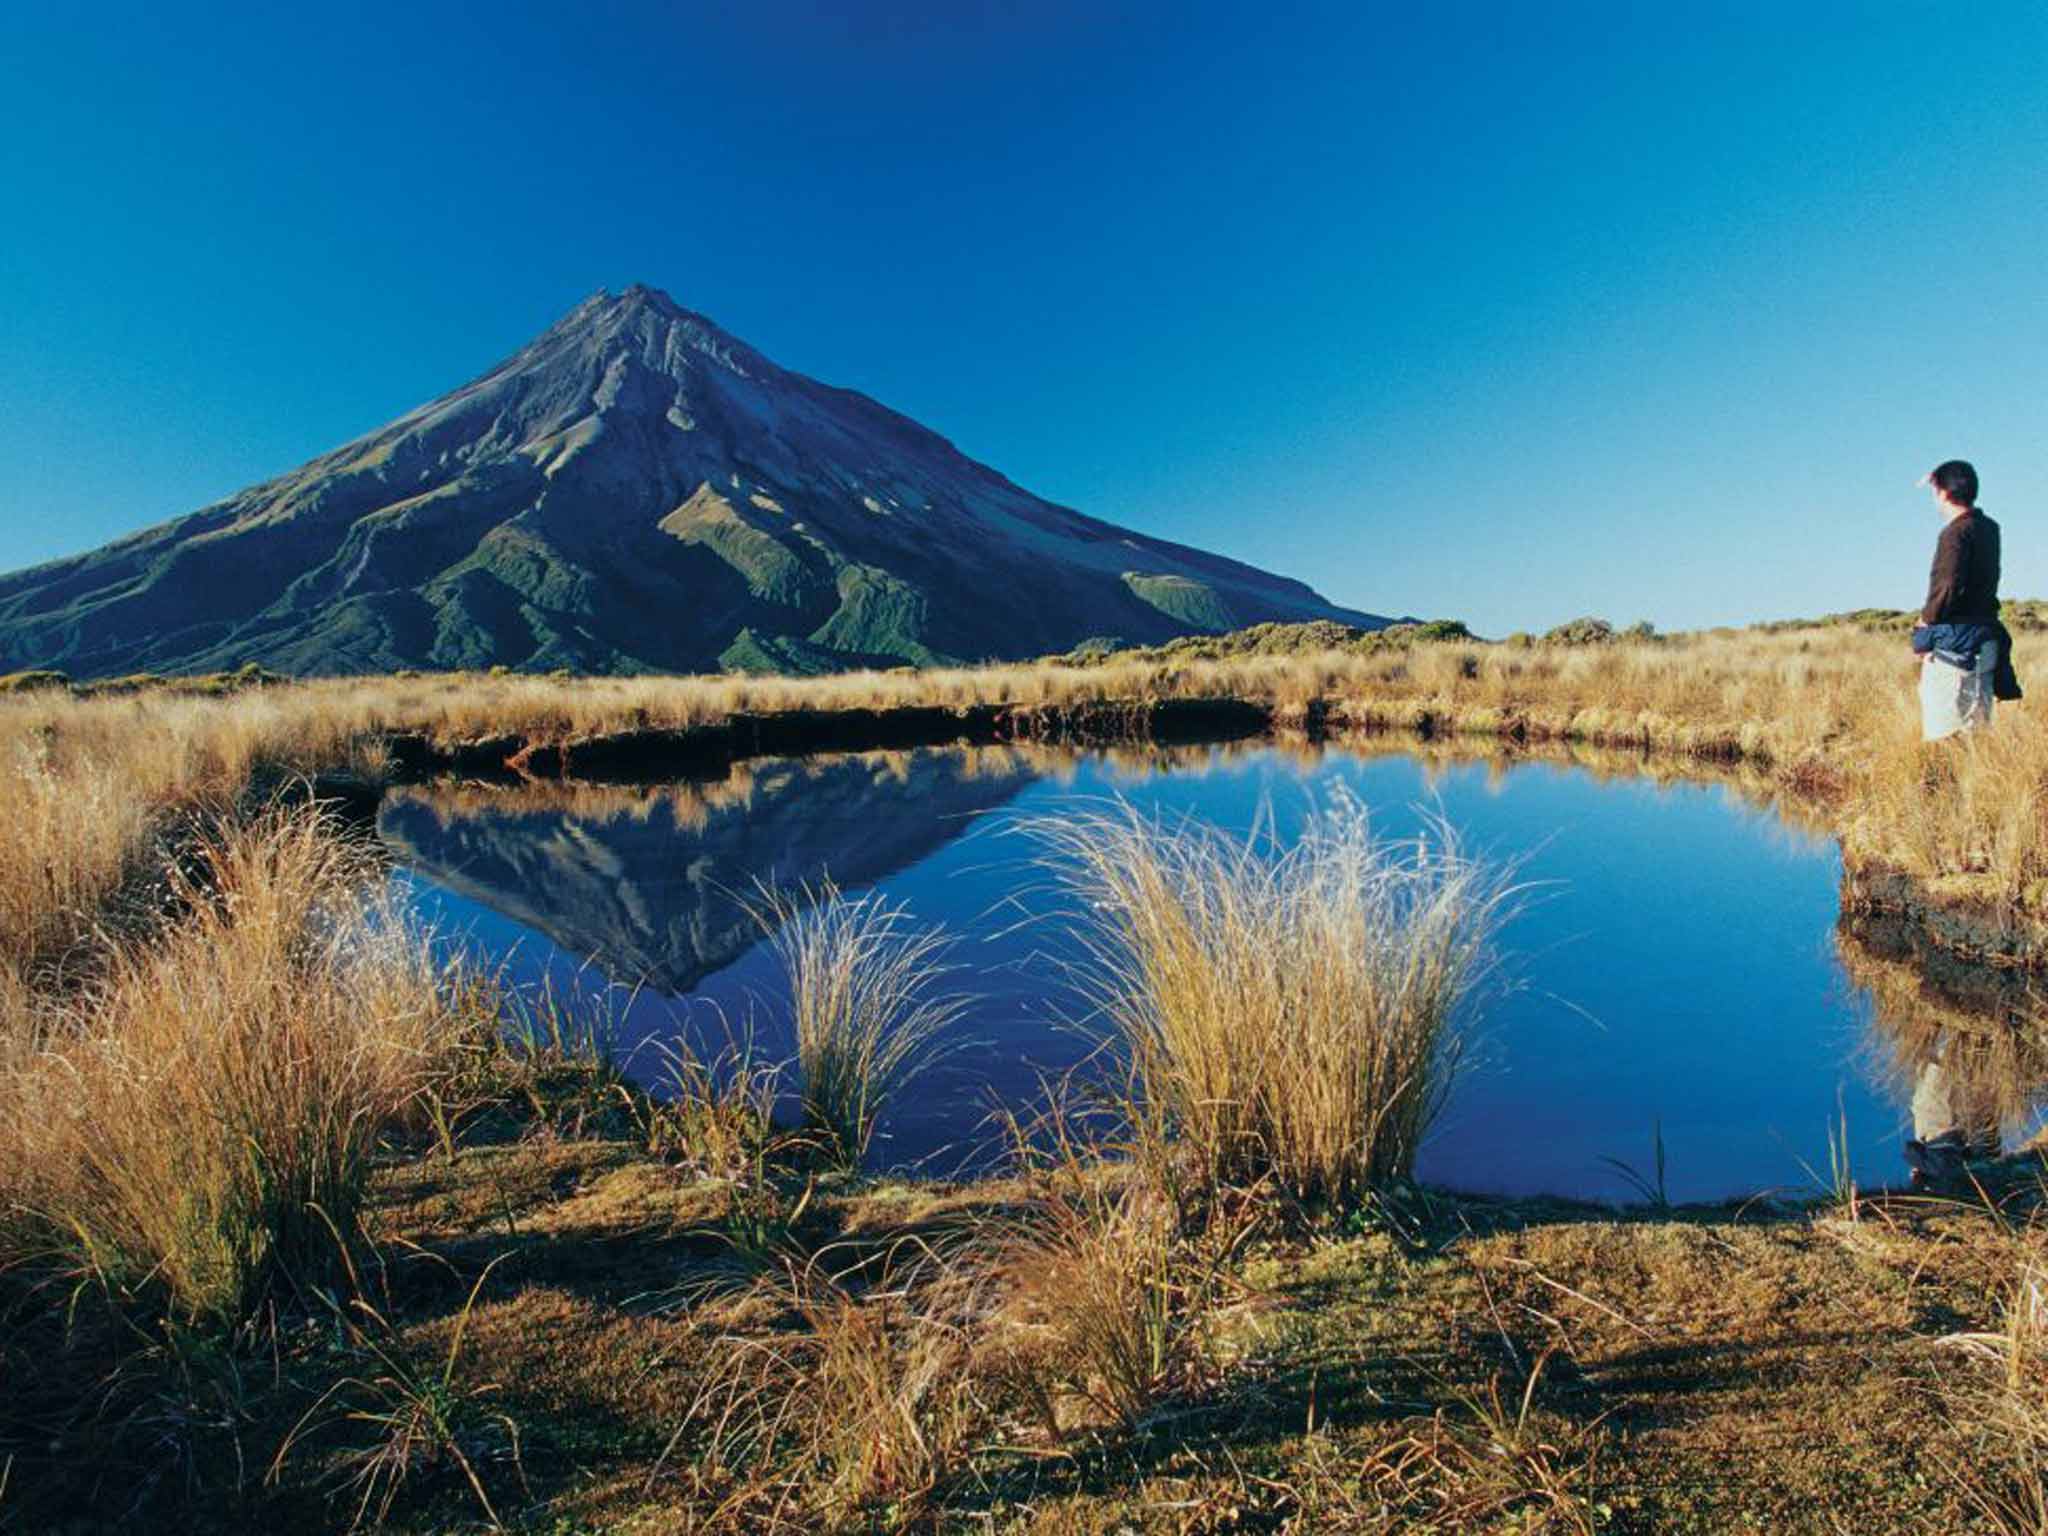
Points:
(635, 490)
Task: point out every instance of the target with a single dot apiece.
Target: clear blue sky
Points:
(1509, 311)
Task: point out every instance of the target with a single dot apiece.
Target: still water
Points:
(1676, 970)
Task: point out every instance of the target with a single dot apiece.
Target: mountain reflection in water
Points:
(1686, 976)
(654, 885)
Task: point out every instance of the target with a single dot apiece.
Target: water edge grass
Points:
(866, 1007)
(187, 1130)
(1286, 1012)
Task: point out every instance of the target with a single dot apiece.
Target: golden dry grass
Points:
(866, 1011)
(1471, 1367)
(1994, 1386)
(70, 839)
(1289, 1013)
(851, 1419)
(197, 1118)
(98, 787)
(190, 1091)
(1828, 712)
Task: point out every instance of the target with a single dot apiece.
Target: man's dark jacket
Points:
(1961, 613)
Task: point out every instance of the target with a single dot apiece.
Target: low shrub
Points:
(32, 682)
(1437, 629)
(1584, 631)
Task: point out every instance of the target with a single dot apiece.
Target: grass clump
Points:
(864, 1004)
(1291, 1014)
(1107, 1297)
(70, 837)
(713, 1116)
(2001, 1399)
(407, 1417)
(1096, 1284)
(851, 1418)
(197, 1120)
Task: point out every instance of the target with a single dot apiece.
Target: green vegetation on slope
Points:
(1191, 602)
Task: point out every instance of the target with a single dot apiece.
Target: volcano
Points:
(634, 491)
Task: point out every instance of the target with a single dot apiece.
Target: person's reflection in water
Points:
(1955, 1114)
(1965, 1045)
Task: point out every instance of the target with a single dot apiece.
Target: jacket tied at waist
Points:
(1959, 644)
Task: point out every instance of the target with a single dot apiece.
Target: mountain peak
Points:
(605, 308)
(645, 320)
(635, 297)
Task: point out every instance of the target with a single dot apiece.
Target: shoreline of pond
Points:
(1986, 932)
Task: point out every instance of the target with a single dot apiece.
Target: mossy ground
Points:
(1769, 1367)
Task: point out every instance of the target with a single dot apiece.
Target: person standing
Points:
(1965, 652)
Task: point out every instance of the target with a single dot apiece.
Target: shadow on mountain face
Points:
(652, 885)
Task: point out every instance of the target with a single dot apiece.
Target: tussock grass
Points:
(1095, 1297)
(889, 1404)
(198, 1120)
(1289, 1014)
(2000, 1395)
(715, 1115)
(864, 1003)
(68, 841)
(1106, 1293)
(852, 1418)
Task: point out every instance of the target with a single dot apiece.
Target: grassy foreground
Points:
(1444, 1366)
(567, 1308)
(295, 1233)
(569, 1327)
